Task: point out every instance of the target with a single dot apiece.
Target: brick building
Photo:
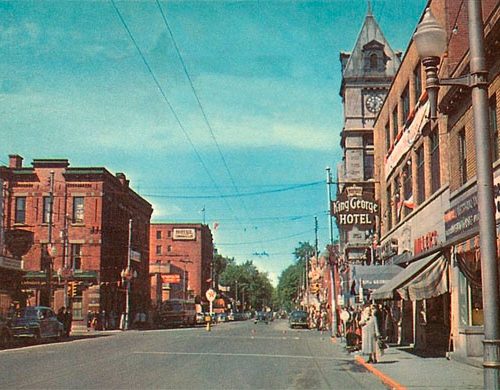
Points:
(87, 242)
(426, 185)
(188, 247)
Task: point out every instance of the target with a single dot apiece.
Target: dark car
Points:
(5, 333)
(298, 318)
(37, 322)
(261, 317)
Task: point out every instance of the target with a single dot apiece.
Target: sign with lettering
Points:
(462, 217)
(171, 278)
(184, 234)
(359, 211)
(425, 242)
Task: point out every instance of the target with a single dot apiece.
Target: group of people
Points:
(317, 318)
(101, 320)
(368, 328)
(65, 317)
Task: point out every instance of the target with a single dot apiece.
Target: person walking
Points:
(369, 335)
(68, 320)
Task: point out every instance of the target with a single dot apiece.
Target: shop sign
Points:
(171, 278)
(425, 242)
(135, 256)
(462, 217)
(359, 210)
(389, 248)
(9, 263)
(184, 234)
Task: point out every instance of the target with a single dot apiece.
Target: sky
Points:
(231, 107)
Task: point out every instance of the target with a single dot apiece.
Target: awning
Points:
(402, 258)
(409, 274)
(430, 283)
(374, 276)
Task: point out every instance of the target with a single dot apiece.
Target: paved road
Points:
(240, 355)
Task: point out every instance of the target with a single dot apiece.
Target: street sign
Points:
(210, 294)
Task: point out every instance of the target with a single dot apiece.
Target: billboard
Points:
(184, 234)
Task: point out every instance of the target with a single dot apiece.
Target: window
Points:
(435, 162)
(169, 248)
(395, 123)
(387, 137)
(373, 61)
(389, 208)
(76, 256)
(397, 198)
(368, 165)
(408, 187)
(77, 308)
(417, 74)
(78, 209)
(420, 175)
(169, 234)
(462, 155)
(46, 209)
(405, 98)
(158, 234)
(158, 249)
(493, 128)
(20, 216)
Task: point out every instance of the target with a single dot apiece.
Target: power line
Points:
(174, 113)
(270, 240)
(298, 186)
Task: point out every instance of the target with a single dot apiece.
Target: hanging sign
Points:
(359, 210)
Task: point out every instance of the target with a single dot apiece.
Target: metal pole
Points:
(129, 277)
(332, 262)
(2, 234)
(485, 198)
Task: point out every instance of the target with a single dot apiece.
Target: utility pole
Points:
(2, 235)
(332, 262)
(184, 284)
(129, 260)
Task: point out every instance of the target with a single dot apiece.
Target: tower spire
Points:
(369, 12)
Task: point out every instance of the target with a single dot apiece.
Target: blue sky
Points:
(267, 74)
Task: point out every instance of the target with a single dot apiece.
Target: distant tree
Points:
(303, 251)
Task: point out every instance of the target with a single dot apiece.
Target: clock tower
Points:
(367, 73)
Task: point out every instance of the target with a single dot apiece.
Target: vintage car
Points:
(37, 322)
(298, 318)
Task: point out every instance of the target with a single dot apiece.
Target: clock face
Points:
(374, 103)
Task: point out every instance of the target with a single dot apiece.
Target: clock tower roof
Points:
(372, 56)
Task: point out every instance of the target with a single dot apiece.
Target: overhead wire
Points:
(167, 101)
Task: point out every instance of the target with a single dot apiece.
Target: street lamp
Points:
(430, 42)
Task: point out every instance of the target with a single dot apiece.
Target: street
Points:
(232, 355)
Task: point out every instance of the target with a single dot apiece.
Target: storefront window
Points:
(77, 309)
(470, 291)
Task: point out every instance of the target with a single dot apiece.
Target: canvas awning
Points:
(409, 280)
(374, 276)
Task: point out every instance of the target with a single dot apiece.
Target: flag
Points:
(216, 225)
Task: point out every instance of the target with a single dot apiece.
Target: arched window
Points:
(373, 61)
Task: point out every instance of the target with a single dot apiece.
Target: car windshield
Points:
(299, 314)
(27, 312)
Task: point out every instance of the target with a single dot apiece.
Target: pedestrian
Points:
(369, 335)
(89, 320)
(60, 315)
(68, 320)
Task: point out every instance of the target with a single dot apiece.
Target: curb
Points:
(383, 377)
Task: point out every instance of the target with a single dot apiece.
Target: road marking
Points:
(252, 337)
(220, 354)
(383, 377)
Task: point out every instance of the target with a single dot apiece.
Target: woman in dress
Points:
(369, 335)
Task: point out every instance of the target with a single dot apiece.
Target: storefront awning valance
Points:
(374, 276)
(389, 290)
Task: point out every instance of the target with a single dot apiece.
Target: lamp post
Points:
(430, 41)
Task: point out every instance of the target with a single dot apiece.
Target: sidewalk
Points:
(404, 370)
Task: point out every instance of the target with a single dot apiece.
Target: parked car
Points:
(298, 318)
(5, 333)
(37, 322)
(261, 317)
(221, 317)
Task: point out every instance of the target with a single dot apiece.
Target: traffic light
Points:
(72, 289)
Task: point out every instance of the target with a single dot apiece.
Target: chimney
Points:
(123, 179)
(15, 161)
